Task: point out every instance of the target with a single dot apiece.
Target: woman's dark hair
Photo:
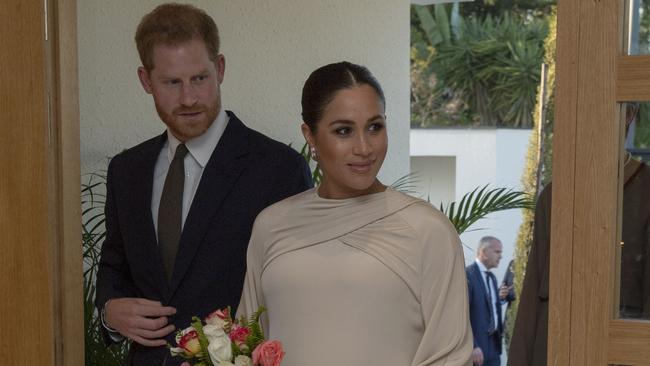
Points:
(323, 84)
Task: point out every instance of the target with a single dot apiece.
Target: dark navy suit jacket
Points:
(479, 312)
(246, 173)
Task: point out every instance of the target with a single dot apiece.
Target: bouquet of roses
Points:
(224, 341)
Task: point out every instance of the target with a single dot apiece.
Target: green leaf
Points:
(482, 201)
(406, 183)
(442, 23)
(204, 355)
(92, 226)
(428, 25)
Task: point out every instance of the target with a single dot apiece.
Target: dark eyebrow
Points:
(341, 122)
(348, 122)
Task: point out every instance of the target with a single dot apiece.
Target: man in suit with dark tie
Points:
(485, 303)
(180, 206)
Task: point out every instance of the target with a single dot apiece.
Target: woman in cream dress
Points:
(353, 272)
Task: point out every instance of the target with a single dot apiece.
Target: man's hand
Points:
(503, 291)
(142, 320)
(477, 356)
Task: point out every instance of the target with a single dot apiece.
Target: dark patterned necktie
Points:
(491, 279)
(170, 212)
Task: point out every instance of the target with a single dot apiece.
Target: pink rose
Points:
(238, 334)
(268, 353)
(223, 314)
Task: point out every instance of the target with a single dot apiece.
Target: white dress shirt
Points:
(200, 149)
(494, 295)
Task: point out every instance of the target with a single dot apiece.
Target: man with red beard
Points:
(180, 206)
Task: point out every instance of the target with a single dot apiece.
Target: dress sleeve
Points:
(447, 338)
(252, 297)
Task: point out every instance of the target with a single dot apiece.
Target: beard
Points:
(185, 127)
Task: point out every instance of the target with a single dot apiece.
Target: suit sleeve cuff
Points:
(114, 334)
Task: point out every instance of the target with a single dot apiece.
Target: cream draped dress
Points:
(371, 280)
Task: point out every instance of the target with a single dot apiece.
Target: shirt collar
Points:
(201, 147)
(481, 266)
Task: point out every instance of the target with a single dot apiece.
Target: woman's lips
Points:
(363, 167)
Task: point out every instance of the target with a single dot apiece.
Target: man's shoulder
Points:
(148, 149)
(264, 145)
(267, 144)
(471, 268)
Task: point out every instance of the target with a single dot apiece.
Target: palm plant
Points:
(406, 183)
(93, 234)
(493, 64)
(482, 201)
(437, 27)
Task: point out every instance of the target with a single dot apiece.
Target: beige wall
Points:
(270, 47)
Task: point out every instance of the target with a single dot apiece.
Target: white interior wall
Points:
(435, 178)
(270, 49)
(483, 156)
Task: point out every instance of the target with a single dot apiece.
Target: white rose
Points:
(219, 346)
(243, 361)
(220, 323)
(216, 319)
(225, 363)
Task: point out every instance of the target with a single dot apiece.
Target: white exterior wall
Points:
(435, 178)
(483, 156)
(270, 46)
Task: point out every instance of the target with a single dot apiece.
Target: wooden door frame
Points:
(593, 76)
(66, 164)
(40, 191)
(586, 165)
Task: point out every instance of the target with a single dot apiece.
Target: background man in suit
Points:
(485, 303)
(180, 206)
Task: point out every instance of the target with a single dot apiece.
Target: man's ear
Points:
(220, 64)
(145, 79)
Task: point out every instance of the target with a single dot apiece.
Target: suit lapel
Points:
(219, 176)
(479, 278)
(142, 185)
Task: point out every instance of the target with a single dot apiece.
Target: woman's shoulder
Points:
(281, 209)
(421, 212)
(427, 221)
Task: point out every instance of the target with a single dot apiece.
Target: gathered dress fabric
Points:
(371, 280)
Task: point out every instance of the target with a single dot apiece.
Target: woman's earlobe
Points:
(306, 132)
(313, 153)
